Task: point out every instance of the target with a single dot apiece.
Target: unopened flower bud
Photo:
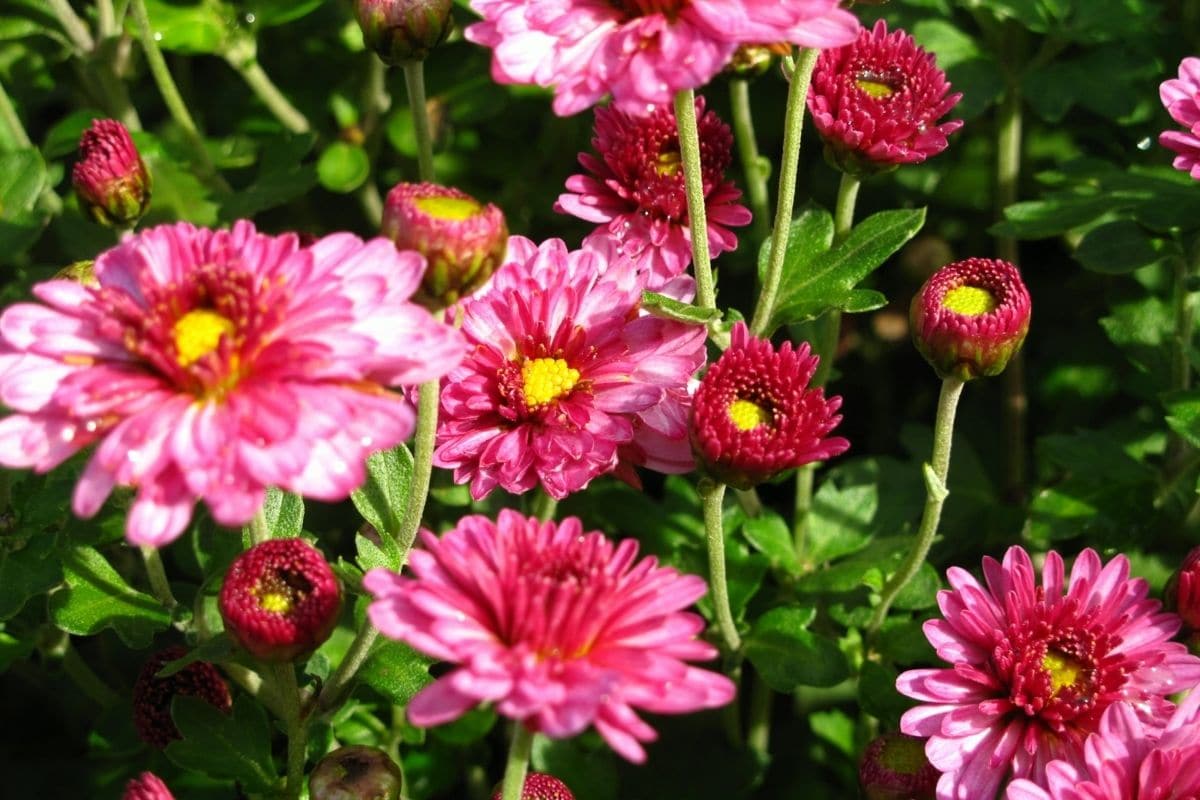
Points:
(462, 241)
(152, 695)
(110, 177)
(280, 600)
(1182, 596)
(751, 60)
(403, 31)
(147, 786)
(356, 772)
(539, 786)
(894, 767)
(970, 317)
(80, 272)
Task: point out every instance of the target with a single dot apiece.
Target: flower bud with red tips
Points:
(1182, 596)
(539, 786)
(280, 600)
(463, 240)
(356, 772)
(971, 317)
(894, 767)
(110, 177)
(147, 786)
(404, 31)
(152, 695)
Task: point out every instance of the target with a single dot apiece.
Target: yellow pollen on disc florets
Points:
(747, 416)
(546, 380)
(197, 333)
(275, 602)
(1064, 671)
(668, 163)
(451, 209)
(874, 88)
(970, 301)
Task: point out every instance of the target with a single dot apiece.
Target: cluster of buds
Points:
(110, 178)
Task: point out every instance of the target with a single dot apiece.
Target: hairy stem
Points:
(518, 762)
(243, 58)
(758, 728)
(157, 576)
(414, 81)
(712, 494)
(297, 729)
(689, 151)
(86, 679)
(543, 505)
(75, 28)
(257, 529)
(427, 414)
(754, 167)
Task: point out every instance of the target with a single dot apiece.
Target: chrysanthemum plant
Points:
(377, 424)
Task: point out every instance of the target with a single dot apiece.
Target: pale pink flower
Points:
(564, 376)
(210, 365)
(640, 51)
(1128, 760)
(1182, 100)
(1035, 667)
(636, 190)
(558, 628)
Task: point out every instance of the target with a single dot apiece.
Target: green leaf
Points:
(590, 772)
(772, 537)
(1116, 248)
(284, 513)
(878, 696)
(12, 649)
(97, 597)
(969, 68)
(26, 572)
(268, 13)
(397, 671)
(787, 655)
(187, 28)
(22, 178)
(810, 236)
(1142, 329)
(281, 177)
(384, 496)
(236, 745)
(1183, 414)
(660, 305)
(372, 555)
(343, 167)
(218, 650)
(840, 521)
(920, 592)
(828, 283)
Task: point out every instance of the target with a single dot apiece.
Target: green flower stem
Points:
(518, 762)
(157, 576)
(414, 82)
(789, 164)
(10, 122)
(1185, 319)
(297, 729)
(843, 213)
(689, 151)
(935, 497)
(1008, 173)
(86, 679)
(758, 728)
(427, 415)
(750, 502)
(253, 684)
(170, 93)
(755, 168)
(242, 56)
(257, 529)
(375, 102)
(712, 494)
(333, 693)
(106, 19)
(543, 505)
(75, 28)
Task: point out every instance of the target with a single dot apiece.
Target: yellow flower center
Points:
(1063, 669)
(874, 87)
(668, 163)
(747, 416)
(970, 301)
(546, 380)
(452, 209)
(275, 602)
(197, 333)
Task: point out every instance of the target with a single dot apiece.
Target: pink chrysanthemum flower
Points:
(564, 375)
(110, 178)
(755, 415)
(213, 364)
(1127, 760)
(147, 786)
(1034, 668)
(640, 51)
(877, 102)
(1182, 100)
(636, 191)
(559, 628)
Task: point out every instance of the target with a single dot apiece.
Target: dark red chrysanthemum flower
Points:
(463, 240)
(539, 786)
(755, 416)
(636, 194)
(970, 317)
(110, 177)
(894, 767)
(152, 695)
(280, 599)
(147, 786)
(876, 102)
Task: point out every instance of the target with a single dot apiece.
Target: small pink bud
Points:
(401, 31)
(356, 772)
(1182, 596)
(970, 317)
(147, 786)
(539, 786)
(280, 600)
(110, 177)
(462, 240)
(894, 767)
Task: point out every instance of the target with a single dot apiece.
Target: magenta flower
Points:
(147, 786)
(1034, 668)
(1182, 100)
(564, 375)
(110, 178)
(755, 415)
(1127, 760)
(1182, 595)
(877, 102)
(635, 190)
(214, 364)
(559, 628)
(640, 51)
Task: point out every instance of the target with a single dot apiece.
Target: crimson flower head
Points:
(635, 190)
(152, 695)
(280, 599)
(971, 317)
(877, 101)
(147, 786)
(755, 415)
(463, 241)
(894, 767)
(110, 177)
(558, 628)
(539, 786)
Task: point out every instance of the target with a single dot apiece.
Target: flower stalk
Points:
(712, 494)
(518, 762)
(414, 82)
(755, 168)
(689, 147)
